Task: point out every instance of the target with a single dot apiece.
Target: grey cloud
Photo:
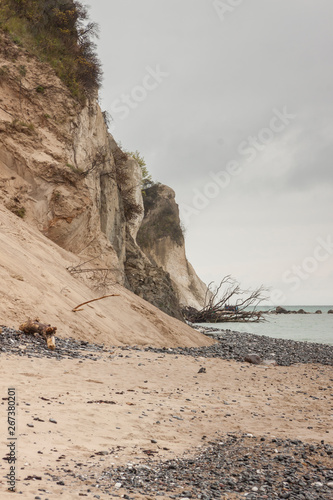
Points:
(225, 80)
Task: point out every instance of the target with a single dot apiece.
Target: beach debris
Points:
(253, 358)
(218, 309)
(202, 370)
(93, 300)
(47, 331)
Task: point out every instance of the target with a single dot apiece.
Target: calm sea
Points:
(303, 327)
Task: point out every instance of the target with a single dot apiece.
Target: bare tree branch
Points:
(93, 300)
(219, 308)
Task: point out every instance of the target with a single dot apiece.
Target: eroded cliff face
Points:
(64, 174)
(58, 167)
(161, 238)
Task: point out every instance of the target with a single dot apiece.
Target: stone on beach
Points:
(253, 358)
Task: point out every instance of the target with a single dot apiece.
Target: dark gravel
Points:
(236, 345)
(16, 342)
(230, 345)
(249, 467)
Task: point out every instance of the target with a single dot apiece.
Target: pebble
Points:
(237, 346)
(233, 467)
(35, 346)
(230, 345)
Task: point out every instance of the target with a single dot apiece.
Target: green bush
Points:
(17, 210)
(147, 180)
(59, 32)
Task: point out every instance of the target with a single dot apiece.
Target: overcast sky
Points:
(230, 103)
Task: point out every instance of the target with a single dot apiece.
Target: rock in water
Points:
(281, 310)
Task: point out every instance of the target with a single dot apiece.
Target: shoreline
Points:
(233, 345)
(229, 345)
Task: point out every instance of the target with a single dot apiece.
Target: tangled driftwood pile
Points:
(218, 308)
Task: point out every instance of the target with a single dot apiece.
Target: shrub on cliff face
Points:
(59, 32)
(147, 180)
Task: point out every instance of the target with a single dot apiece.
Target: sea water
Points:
(303, 327)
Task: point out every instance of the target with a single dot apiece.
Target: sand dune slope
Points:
(36, 283)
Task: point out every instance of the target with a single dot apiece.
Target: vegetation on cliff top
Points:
(58, 32)
(147, 180)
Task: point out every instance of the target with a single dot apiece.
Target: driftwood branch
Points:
(47, 331)
(93, 300)
(219, 309)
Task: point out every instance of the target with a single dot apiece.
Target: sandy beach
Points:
(109, 387)
(77, 417)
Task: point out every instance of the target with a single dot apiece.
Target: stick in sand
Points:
(93, 300)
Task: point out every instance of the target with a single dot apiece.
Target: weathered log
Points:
(47, 331)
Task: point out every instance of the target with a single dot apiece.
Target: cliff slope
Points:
(161, 238)
(62, 172)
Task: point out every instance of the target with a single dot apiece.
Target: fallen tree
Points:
(218, 308)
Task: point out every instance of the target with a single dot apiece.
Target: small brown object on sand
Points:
(47, 331)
